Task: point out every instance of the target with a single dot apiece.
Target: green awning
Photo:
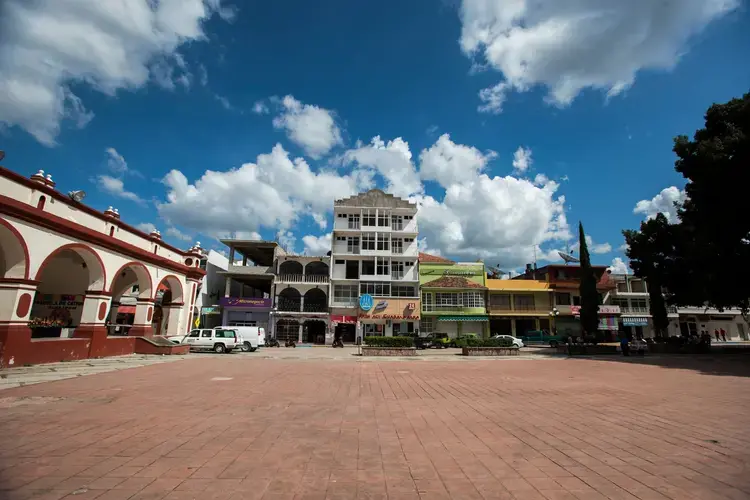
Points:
(463, 318)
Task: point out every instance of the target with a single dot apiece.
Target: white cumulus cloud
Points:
(449, 163)
(311, 127)
(392, 161)
(567, 46)
(116, 187)
(664, 202)
(46, 45)
(618, 266)
(522, 160)
(317, 245)
(273, 192)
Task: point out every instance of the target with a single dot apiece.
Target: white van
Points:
(250, 337)
(219, 340)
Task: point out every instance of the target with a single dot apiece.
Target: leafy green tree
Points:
(701, 258)
(651, 252)
(589, 294)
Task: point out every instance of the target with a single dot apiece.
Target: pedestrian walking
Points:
(625, 345)
(716, 333)
(723, 335)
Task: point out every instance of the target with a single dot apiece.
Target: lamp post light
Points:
(554, 313)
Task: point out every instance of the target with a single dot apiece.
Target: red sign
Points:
(337, 318)
(411, 306)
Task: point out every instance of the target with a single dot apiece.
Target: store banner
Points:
(347, 320)
(245, 302)
(398, 309)
(634, 321)
(576, 310)
(608, 323)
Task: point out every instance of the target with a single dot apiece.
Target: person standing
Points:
(625, 345)
(716, 333)
(723, 335)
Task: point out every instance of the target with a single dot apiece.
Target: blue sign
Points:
(634, 321)
(366, 302)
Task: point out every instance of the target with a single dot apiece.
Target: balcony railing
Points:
(519, 308)
(302, 278)
(397, 275)
(447, 308)
(634, 310)
(353, 225)
(286, 305)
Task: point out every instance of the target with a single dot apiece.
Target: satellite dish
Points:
(77, 196)
(567, 258)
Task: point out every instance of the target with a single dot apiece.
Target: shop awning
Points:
(635, 321)
(126, 310)
(463, 318)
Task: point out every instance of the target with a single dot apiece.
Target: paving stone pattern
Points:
(280, 429)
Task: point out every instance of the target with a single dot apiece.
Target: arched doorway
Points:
(287, 329)
(314, 331)
(316, 300)
(14, 255)
(168, 303)
(290, 267)
(130, 283)
(64, 278)
(290, 300)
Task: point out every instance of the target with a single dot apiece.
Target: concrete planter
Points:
(389, 351)
(490, 351)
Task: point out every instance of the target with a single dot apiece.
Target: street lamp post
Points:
(554, 313)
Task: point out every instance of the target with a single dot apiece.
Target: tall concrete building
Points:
(374, 266)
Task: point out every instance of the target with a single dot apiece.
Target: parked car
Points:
(515, 340)
(218, 340)
(541, 337)
(439, 340)
(249, 337)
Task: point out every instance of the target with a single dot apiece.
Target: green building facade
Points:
(453, 297)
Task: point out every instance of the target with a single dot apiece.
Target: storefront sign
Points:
(608, 323)
(348, 320)
(366, 302)
(245, 302)
(452, 272)
(395, 309)
(576, 310)
(210, 310)
(634, 321)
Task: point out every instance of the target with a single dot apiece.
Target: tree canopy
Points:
(701, 258)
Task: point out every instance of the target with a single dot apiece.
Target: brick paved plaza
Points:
(346, 429)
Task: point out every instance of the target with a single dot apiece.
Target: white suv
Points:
(217, 340)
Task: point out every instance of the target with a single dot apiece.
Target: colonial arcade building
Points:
(64, 268)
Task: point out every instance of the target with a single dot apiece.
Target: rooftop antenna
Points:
(568, 257)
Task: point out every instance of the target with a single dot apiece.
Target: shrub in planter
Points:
(392, 342)
(477, 342)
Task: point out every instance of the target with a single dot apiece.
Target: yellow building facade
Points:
(518, 306)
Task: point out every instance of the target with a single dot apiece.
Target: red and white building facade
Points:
(64, 267)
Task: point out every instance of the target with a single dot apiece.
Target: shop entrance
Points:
(524, 325)
(500, 327)
(314, 332)
(347, 331)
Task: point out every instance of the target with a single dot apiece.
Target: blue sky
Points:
(136, 105)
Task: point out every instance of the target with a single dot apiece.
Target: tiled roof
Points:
(451, 282)
(434, 259)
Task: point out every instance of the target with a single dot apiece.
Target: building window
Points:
(382, 220)
(427, 303)
(376, 289)
(408, 240)
(368, 218)
(342, 216)
(622, 287)
(523, 302)
(135, 289)
(41, 202)
(352, 245)
(403, 291)
(562, 299)
(639, 305)
(353, 221)
(383, 242)
(397, 223)
(368, 267)
(576, 300)
(112, 231)
(398, 245)
(340, 238)
(383, 266)
(346, 294)
(500, 301)
(427, 325)
(472, 299)
(408, 217)
(339, 262)
(368, 241)
(373, 330)
(397, 270)
(446, 299)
